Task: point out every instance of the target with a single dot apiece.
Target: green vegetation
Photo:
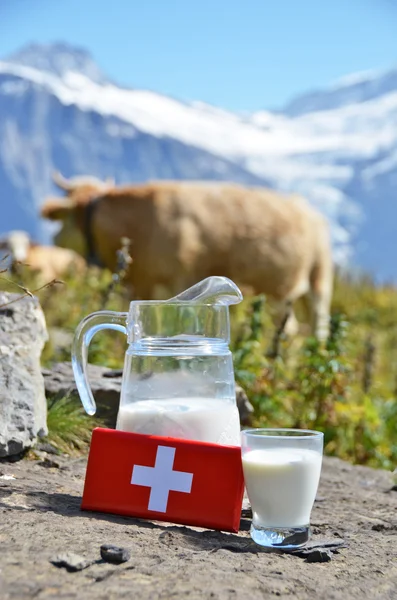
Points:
(69, 428)
(346, 387)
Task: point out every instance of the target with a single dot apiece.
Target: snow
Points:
(360, 129)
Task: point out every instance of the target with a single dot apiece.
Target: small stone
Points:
(318, 556)
(114, 554)
(380, 527)
(71, 562)
(49, 463)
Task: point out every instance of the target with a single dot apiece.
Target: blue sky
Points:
(239, 54)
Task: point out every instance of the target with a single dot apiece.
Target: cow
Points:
(49, 262)
(183, 231)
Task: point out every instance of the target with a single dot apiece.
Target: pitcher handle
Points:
(103, 319)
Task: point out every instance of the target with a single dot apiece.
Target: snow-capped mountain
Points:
(59, 59)
(338, 147)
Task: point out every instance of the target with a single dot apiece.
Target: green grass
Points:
(69, 428)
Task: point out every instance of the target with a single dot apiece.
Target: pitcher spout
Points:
(212, 290)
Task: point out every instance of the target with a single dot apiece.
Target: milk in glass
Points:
(282, 485)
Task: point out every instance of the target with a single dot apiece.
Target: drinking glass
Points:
(282, 472)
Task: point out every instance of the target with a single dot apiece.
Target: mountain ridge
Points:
(57, 59)
(359, 87)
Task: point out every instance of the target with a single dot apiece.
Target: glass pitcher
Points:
(178, 378)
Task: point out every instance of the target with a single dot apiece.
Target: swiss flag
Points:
(165, 479)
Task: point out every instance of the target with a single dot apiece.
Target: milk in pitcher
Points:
(200, 419)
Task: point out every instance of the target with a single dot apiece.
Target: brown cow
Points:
(50, 262)
(182, 232)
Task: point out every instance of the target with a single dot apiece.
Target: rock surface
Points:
(40, 518)
(106, 386)
(23, 407)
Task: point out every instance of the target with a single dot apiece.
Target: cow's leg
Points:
(285, 318)
(285, 312)
(321, 295)
(320, 302)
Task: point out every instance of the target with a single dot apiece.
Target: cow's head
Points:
(17, 244)
(70, 211)
(82, 184)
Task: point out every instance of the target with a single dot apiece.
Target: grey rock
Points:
(23, 407)
(106, 386)
(244, 406)
(59, 381)
(71, 562)
(47, 447)
(318, 550)
(321, 543)
(114, 554)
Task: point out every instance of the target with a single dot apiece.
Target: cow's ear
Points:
(56, 209)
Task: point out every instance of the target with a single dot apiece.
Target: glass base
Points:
(284, 538)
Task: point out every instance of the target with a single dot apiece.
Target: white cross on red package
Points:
(164, 479)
